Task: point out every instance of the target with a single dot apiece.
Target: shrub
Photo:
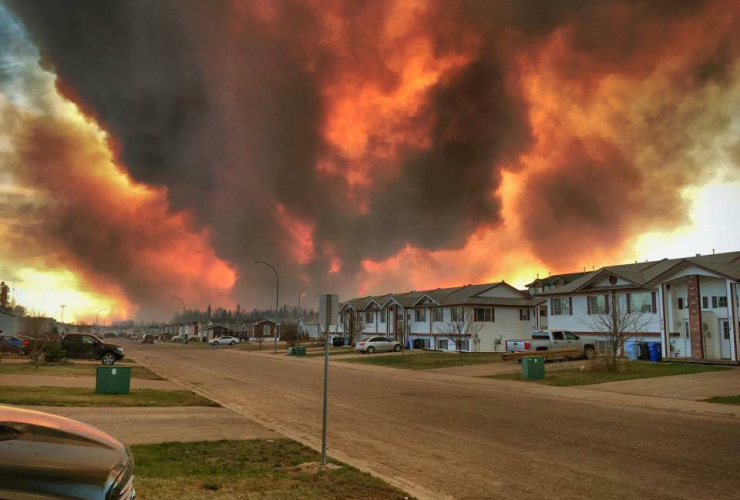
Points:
(54, 352)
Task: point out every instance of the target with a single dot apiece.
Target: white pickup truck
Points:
(547, 341)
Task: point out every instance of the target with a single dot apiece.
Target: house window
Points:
(369, 317)
(723, 302)
(420, 315)
(641, 303)
(382, 316)
(714, 302)
(597, 304)
(484, 314)
(457, 314)
(524, 314)
(705, 302)
(438, 315)
(680, 303)
(560, 306)
(442, 344)
(604, 347)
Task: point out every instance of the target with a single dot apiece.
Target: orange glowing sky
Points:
(585, 152)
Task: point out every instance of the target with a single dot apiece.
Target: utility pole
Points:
(298, 312)
(63, 306)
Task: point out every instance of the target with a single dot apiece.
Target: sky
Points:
(156, 149)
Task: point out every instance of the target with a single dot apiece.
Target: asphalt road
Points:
(451, 439)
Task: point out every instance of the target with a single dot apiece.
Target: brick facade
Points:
(695, 322)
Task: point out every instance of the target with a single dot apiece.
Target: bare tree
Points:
(259, 335)
(35, 326)
(460, 328)
(617, 323)
(354, 329)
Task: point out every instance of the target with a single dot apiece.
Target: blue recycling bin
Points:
(654, 351)
(633, 351)
(408, 344)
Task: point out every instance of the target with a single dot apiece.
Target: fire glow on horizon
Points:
(383, 146)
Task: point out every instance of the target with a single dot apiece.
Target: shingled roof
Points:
(647, 274)
(459, 295)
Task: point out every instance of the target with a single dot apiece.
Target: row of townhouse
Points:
(420, 317)
(689, 305)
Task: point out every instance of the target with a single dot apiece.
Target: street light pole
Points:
(97, 314)
(63, 306)
(277, 299)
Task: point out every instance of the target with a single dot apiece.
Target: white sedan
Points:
(379, 344)
(225, 341)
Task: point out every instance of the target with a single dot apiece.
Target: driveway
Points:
(445, 436)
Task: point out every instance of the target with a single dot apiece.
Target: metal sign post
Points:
(327, 316)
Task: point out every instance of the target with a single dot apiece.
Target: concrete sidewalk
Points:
(85, 382)
(142, 425)
(694, 387)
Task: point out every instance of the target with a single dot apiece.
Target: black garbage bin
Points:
(417, 343)
(337, 341)
(644, 351)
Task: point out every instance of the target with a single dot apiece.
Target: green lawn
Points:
(635, 370)
(75, 370)
(75, 396)
(250, 469)
(427, 360)
(725, 400)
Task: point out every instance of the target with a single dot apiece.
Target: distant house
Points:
(310, 326)
(214, 330)
(264, 328)
(9, 324)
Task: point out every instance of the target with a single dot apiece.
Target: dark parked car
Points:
(147, 339)
(10, 343)
(86, 346)
(44, 456)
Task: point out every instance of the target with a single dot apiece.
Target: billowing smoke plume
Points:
(327, 137)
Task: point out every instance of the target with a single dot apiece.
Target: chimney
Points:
(698, 255)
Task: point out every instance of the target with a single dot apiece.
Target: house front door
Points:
(724, 339)
(686, 340)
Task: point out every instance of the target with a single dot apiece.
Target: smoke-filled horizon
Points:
(367, 146)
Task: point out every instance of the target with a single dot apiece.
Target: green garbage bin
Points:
(113, 380)
(533, 368)
(300, 351)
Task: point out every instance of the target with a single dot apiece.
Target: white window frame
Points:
(438, 315)
(420, 315)
(564, 306)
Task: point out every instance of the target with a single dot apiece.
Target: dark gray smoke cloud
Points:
(225, 111)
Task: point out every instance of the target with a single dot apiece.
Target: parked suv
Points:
(147, 339)
(86, 346)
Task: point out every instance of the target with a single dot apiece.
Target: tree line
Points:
(222, 315)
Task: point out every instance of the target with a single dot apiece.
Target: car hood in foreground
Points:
(55, 457)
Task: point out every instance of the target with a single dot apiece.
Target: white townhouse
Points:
(690, 305)
(502, 311)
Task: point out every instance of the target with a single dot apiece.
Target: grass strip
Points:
(256, 468)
